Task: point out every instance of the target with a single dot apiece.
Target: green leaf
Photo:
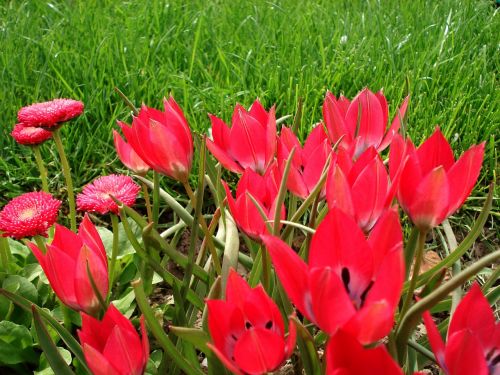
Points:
(197, 337)
(21, 286)
(124, 245)
(54, 358)
(15, 344)
(45, 368)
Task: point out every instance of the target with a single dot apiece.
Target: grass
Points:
(210, 55)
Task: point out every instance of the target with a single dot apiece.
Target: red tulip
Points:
(308, 162)
(473, 345)
(361, 130)
(432, 185)
(350, 282)
(112, 346)
(361, 189)
(127, 154)
(265, 191)
(249, 143)
(162, 140)
(248, 334)
(65, 265)
(346, 356)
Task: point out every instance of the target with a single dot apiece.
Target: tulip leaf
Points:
(231, 249)
(15, 344)
(197, 337)
(66, 336)
(53, 355)
(307, 348)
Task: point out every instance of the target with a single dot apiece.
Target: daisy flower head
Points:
(30, 135)
(96, 196)
(50, 114)
(28, 215)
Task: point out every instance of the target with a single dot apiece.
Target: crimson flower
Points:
(248, 334)
(361, 189)
(359, 131)
(265, 191)
(96, 196)
(473, 344)
(112, 346)
(127, 154)
(65, 265)
(346, 356)
(30, 135)
(249, 143)
(162, 140)
(28, 215)
(50, 114)
(350, 282)
(308, 162)
(432, 186)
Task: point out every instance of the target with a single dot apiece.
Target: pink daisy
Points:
(96, 196)
(28, 215)
(29, 135)
(50, 114)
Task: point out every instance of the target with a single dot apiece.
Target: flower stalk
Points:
(41, 168)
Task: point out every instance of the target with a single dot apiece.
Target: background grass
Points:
(210, 55)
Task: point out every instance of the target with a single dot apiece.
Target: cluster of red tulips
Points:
(324, 281)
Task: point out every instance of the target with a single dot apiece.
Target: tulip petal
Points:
(62, 282)
(259, 351)
(430, 203)
(237, 288)
(66, 239)
(90, 237)
(464, 355)
(386, 236)
(271, 139)
(395, 126)
(223, 157)
(434, 152)
(371, 323)
(333, 117)
(338, 192)
(124, 351)
(225, 361)
(462, 176)
(292, 272)
(435, 339)
(98, 364)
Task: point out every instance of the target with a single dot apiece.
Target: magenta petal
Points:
(98, 364)
(223, 157)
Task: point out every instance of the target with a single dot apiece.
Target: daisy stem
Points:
(114, 253)
(156, 197)
(147, 199)
(41, 168)
(5, 254)
(40, 242)
(67, 175)
(416, 271)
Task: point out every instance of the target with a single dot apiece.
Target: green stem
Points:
(156, 198)
(147, 200)
(157, 331)
(416, 270)
(5, 254)
(412, 317)
(40, 242)
(266, 269)
(312, 224)
(41, 168)
(114, 253)
(67, 175)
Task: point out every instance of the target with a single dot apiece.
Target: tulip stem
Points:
(114, 253)
(157, 331)
(416, 271)
(5, 254)
(147, 200)
(312, 224)
(41, 168)
(67, 175)
(266, 269)
(156, 198)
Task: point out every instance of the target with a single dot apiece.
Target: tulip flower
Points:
(346, 356)
(67, 264)
(361, 189)
(473, 344)
(265, 191)
(249, 143)
(248, 334)
(162, 140)
(127, 155)
(350, 282)
(432, 185)
(359, 131)
(112, 346)
(308, 162)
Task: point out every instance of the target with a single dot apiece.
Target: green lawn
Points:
(210, 55)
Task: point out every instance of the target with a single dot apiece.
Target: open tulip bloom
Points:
(326, 290)
(250, 142)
